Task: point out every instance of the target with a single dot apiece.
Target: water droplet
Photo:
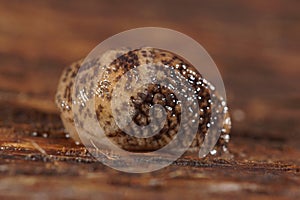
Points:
(213, 152)
(225, 149)
(226, 137)
(34, 134)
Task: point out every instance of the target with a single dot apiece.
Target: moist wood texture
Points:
(256, 47)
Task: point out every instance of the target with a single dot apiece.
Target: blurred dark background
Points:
(254, 43)
(256, 46)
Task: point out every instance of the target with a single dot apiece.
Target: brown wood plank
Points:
(256, 47)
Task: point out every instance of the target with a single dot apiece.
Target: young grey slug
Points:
(143, 100)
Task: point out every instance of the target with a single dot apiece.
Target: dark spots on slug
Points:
(67, 92)
(127, 61)
(166, 62)
(100, 108)
(118, 78)
(144, 54)
(175, 58)
(108, 97)
(74, 73)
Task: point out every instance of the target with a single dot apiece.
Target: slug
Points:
(140, 102)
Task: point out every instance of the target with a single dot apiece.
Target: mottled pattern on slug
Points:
(143, 100)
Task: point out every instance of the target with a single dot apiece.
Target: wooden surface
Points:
(256, 46)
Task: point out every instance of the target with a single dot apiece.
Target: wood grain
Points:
(256, 47)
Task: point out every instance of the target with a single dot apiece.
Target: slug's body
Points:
(141, 101)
